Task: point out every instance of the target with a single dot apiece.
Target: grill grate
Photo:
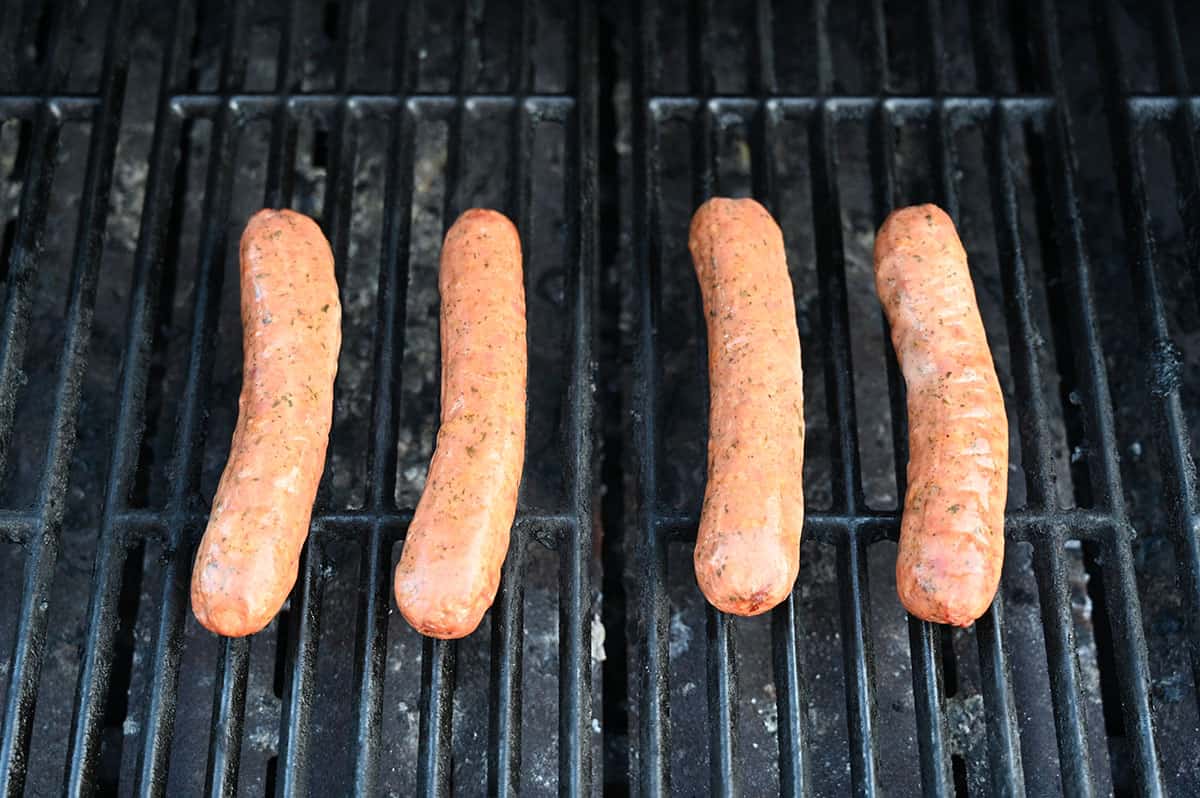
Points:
(376, 524)
(128, 164)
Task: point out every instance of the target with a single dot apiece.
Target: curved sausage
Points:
(456, 544)
(291, 327)
(952, 532)
(748, 545)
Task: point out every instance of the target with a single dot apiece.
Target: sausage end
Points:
(956, 599)
(222, 609)
(437, 610)
(744, 582)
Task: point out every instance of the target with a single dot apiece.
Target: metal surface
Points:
(136, 139)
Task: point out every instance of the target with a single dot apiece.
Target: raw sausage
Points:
(458, 538)
(291, 327)
(748, 545)
(952, 531)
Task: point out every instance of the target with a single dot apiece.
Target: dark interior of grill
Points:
(137, 138)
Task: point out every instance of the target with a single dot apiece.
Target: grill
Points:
(1062, 137)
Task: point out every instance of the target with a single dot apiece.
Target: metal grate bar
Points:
(575, 729)
(1066, 690)
(1003, 733)
(765, 73)
(722, 703)
(228, 718)
(30, 637)
(374, 605)
(305, 618)
(1132, 666)
(791, 698)
(504, 720)
(1173, 434)
(282, 151)
(437, 696)
(653, 763)
(857, 648)
(924, 642)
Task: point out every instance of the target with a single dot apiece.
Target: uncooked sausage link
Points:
(291, 326)
(455, 547)
(952, 532)
(748, 545)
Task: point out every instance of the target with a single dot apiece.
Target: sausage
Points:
(291, 327)
(952, 531)
(748, 545)
(450, 568)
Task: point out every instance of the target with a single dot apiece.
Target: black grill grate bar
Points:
(437, 697)
(791, 699)
(374, 604)
(282, 150)
(1174, 68)
(1133, 672)
(924, 643)
(63, 107)
(1003, 733)
(1066, 690)
(504, 717)
(721, 658)
(652, 764)
(25, 667)
(764, 50)
(834, 528)
(846, 482)
(1173, 434)
(305, 620)
(340, 524)
(1024, 336)
(228, 718)
(575, 728)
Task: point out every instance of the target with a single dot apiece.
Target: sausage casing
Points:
(952, 532)
(458, 539)
(291, 325)
(748, 546)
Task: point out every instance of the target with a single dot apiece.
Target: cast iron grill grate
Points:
(1061, 137)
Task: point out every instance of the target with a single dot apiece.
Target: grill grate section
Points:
(745, 131)
(541, 105)
(128, 164)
